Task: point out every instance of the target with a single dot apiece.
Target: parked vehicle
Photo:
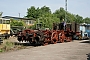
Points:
(4, 28)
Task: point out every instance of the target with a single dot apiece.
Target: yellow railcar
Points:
(4, 26)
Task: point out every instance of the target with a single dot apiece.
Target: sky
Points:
(14, 7)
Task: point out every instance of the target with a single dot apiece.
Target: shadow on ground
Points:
(26, 44)
(87, 41)
(88, 56)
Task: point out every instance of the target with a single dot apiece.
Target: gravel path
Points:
(61, 51)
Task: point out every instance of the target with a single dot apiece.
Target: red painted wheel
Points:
(61, 40)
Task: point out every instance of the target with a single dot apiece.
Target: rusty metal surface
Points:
(58, 34)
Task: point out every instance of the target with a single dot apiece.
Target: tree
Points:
(31, 12)
(47, 18)
(69, 17)
(16, 23)
(79, 19)
(45, 9)
(86, 20)
(43, 14)
(60, 13)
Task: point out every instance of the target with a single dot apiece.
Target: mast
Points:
(65, 10)
(65, 21)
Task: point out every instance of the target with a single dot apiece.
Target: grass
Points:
(9, 46)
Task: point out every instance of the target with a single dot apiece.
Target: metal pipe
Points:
(65, 10)
(19, 15)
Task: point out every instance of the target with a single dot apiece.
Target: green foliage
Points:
(69, 17)
(60, 13)
(79, 19)
(7, 46)
(33, 12)
(10, 46)
(44, 16)
(86, 20)
(16, 23)
(1, 50)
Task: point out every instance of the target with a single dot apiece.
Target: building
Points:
(28, 21)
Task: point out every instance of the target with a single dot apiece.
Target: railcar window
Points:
(7, 22)
(88, 27)
(30, 22)
(0, 21)
(4, 21)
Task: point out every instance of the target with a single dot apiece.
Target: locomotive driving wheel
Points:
(54, 37)
(61, 37)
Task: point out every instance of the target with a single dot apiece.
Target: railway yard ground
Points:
(75, 50)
